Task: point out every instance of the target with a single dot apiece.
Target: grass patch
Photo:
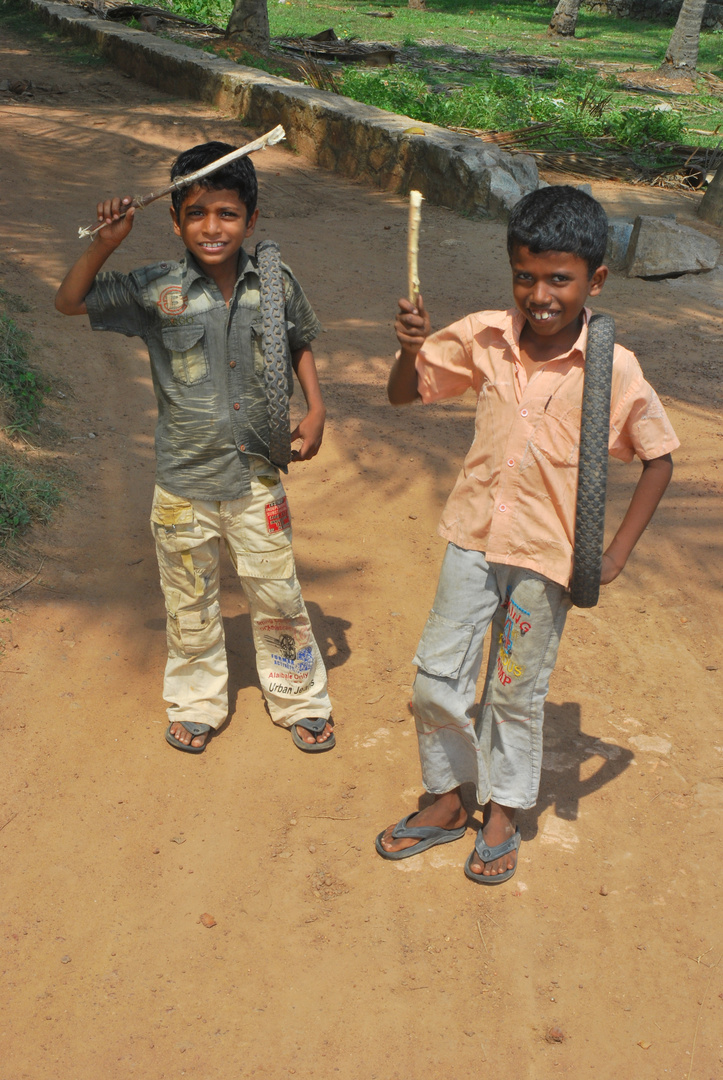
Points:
(24, 500)
(27, 495)
(16, 16)
(580, 107)
(519, 25)
(21, 387)
(439, 82)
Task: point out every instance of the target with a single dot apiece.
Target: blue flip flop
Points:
(427, 835)
(192, 729)
(315, 725)
(489, 854)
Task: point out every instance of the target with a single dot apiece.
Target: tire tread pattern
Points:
(275, 349)
(593, 466)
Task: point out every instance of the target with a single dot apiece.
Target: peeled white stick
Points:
(139, 201)
(415, 216)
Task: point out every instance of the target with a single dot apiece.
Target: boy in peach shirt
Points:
(509, 521)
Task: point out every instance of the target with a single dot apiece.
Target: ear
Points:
(176, 225)
(597, 281)
(251, 224)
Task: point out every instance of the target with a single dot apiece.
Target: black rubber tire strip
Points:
(593, 467)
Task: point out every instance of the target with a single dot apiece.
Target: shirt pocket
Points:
(557, 435)
(443, 647)
(187, 350)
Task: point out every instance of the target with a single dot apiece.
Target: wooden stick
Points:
(415, 216)
(17, 588)
(139, 201)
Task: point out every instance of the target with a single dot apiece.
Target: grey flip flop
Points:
(315, 725)
(427, 835)
(489, 854)
(192, 729)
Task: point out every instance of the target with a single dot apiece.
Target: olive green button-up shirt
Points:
(207, 366)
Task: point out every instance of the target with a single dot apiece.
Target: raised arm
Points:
(77, 283)
(650, 488)
(311, 428)
(412, 327)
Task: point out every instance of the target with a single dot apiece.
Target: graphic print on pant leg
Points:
(291, 656)
(518, 622)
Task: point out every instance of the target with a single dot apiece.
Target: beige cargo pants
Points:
(257, 534)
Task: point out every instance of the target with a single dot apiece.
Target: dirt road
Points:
(602, 957)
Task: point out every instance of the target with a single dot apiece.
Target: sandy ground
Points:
(602, 956)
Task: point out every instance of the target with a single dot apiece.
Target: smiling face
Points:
(213, 225)
(550, 289)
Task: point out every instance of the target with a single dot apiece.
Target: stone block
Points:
(660, 248)
(616, 253)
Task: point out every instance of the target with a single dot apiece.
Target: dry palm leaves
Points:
(326, 47)
(122, 12)
(671, 164)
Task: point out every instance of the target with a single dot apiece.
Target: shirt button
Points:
(236, 406)
(502, 508)
(523, 412)
(511, 462)
(232, 363)
(242, 446)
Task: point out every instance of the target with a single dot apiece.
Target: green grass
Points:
(21, 387)
(17, 16)
(436, 84)
(24, 499)
(486, 25)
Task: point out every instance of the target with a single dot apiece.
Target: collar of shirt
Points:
(511, 324)
(191, 271)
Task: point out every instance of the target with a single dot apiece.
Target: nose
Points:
(211, 224)
(540, 294)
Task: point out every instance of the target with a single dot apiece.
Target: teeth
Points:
(542, 317)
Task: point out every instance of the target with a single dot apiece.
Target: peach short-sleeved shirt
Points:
(515, 496)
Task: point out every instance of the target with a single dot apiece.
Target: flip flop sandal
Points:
(488, 855)
(315, 725)
(427, 835)
(192, 729)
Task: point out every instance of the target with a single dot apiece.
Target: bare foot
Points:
(446, 812)
(310, 737)
(500, 827)
(179, 732)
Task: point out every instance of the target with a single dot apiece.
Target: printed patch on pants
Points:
(277, 516)
(517, 624)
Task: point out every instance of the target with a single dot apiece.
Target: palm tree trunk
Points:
(249, 21)
(564, 19)
(682, 55)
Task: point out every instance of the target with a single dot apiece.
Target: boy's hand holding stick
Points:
(412, 324)
(139, 201)
(415, 216)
